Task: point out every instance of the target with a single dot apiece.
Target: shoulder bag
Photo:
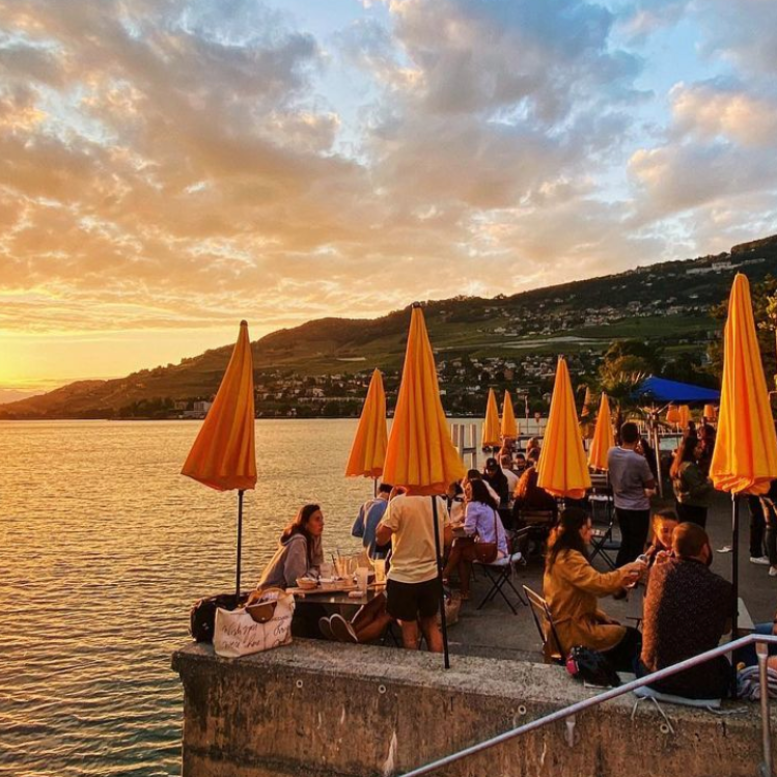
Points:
(486, 552)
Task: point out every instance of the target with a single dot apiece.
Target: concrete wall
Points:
(324, 709)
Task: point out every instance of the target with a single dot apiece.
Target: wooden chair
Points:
(552, 650)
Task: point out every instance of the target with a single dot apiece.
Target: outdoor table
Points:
(337, 601)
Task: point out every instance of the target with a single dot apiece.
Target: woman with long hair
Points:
(299, 553)
(572, 586)
(692, 488)
(481, 524)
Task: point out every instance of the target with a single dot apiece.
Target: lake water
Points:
(103, 548)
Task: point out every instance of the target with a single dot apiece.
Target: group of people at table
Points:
(686, 605)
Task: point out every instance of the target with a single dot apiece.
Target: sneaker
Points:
(342, 630)
(725, 549)
(772, 571)
(326, 629)
(759, 560)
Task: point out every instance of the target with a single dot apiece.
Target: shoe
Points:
(772, 571)
(759, 560)
(325, 627)
(725, 549)
(342, 630)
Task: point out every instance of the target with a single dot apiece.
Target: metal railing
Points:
(762, 641)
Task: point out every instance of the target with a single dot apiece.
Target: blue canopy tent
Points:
(661, 390)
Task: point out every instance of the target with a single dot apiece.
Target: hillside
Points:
(667, 304)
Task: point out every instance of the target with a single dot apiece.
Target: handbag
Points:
(202, 617)
(239, 633)
(486, 552)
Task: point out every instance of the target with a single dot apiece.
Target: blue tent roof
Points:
(671, 391)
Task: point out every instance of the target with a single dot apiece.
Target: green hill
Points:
(667, 304)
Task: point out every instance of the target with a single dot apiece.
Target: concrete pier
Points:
(324, 709)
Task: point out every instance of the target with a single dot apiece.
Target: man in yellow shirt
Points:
(413, 586)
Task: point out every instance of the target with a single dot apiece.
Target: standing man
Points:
(413, 587)
(632, 486)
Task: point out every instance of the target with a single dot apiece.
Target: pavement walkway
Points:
(495, 632)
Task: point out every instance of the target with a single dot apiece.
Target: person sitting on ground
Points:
(664, 523)
(413, 587)
(512, 479)
(482, 520)
(685, 614)
(367, 625)
(300, 553)
(571, 587)
(693, 490)
(367, 522)
(528, 495)
(493, 475)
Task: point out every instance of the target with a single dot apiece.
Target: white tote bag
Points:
(238, 634)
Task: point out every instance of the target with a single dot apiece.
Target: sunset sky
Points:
(169, 167)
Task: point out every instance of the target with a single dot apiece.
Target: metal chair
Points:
(498, 572)
(552, 649)
(602, 540)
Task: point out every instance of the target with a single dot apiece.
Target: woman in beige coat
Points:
(571, 587)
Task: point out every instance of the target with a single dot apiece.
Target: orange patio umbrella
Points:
(368, 450)
(509, 424)
(491, 424)
(562, 469)
(685, 416)
(224, 454)
(604, 437)
(745, 457)
(710, 412)
(587, 399)
(420, 453)
(673, 414)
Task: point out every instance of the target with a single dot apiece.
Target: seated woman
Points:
(367, 625)
(481, 524)
(299, 553)
(571, 587)
(664, 523)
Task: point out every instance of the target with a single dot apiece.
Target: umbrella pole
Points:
(735, 584)
(443, 621)
(239, 540)
(374, 488)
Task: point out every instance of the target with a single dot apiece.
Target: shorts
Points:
(410, 601)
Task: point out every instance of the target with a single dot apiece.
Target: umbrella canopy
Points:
(223, 455)
(745, 455)
(710, 412)
(673, 414)
(420, 453)
(685, 416)
(491, 424)
(604, 437)
(587, 399)
(663, 390)
(368, 451)
(509, 424)
(562, 470)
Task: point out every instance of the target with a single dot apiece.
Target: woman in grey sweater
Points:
(299, 553)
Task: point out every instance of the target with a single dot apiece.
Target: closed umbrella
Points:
(562, 469)
(509, 424)
(604, 437)
(420, 454)
(673, 414)
(745, 457)
(368, 450)
(685, 416)
(224, 454)
(491, 424)
(710, 412)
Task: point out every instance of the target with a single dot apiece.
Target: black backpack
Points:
(203, 614)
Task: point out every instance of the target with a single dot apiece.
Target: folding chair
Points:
(498, 572)
(552, 650)
(602, 541)
(537, 525)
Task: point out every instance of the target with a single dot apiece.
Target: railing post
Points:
(762, 651)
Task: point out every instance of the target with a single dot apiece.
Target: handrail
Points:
(612, 693)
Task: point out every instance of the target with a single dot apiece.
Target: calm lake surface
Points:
(103, 548)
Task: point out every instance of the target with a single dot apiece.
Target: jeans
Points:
(634, 526)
